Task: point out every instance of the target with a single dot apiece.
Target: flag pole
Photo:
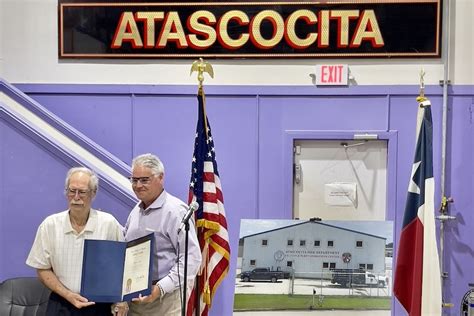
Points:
(443, 208)
(201, 66)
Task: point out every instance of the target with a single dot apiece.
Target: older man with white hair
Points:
(57, 251)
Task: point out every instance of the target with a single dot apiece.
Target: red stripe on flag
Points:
(221, 242)
(219, 195)
(217, 271)
(410, 265)
(208, 177)
(191, 303)
(209, 197)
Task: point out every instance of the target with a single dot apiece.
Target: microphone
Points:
(191, 209)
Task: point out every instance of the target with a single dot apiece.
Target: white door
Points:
(340, 179)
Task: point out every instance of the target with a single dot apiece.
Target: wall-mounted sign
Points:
(311, 254)
(346, 257)
(340, 194)
(233, 29)
(332, 75)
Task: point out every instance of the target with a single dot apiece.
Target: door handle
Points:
(297, 172)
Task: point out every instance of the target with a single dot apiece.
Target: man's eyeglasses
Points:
(141, 180)
(73, 192)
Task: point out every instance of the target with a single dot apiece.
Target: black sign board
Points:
(233, 29)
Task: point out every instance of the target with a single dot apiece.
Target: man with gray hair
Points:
(57, 251)
(160, 212)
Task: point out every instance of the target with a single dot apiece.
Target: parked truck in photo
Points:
(357, 277)
(262, 274)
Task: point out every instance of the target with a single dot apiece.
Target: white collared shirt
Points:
(59, 247)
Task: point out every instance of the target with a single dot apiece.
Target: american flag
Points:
(205, 188)
(417, 284)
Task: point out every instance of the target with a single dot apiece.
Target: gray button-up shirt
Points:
(163, 218)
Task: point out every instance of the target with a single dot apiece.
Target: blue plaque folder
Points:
(115, 271)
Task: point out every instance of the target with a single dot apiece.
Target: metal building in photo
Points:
(312, 248)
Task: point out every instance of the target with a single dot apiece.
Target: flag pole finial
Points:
(202, 66)
(421, 97)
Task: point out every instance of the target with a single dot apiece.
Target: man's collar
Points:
(91, 224)
(156, 204)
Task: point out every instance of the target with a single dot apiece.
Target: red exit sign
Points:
(332, 75)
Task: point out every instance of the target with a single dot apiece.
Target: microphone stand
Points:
(185, 281)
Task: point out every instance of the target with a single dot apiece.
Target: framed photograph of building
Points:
(314, 264)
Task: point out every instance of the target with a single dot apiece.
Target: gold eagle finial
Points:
(202, 66)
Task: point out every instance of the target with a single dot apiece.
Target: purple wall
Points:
(250, 127)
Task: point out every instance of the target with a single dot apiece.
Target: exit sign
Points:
(332, 75)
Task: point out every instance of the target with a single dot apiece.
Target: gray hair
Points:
(93, 180)
(149, 161)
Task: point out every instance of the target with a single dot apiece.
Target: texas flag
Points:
(417, 284)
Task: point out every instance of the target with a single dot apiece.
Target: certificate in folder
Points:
(115, 271)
